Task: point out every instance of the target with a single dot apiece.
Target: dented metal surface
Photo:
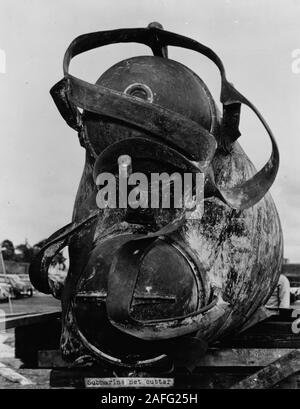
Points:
(144, 284)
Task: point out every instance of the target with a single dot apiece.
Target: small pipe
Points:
(125, 166)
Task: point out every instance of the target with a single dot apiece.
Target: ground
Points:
(10, 370)
(38, 303)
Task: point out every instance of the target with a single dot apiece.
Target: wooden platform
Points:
(266, 355)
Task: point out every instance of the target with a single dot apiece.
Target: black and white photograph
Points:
(150, 197)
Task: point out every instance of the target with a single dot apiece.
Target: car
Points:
(4, 292)
(20, 288)
(6, 285)
(25, 278)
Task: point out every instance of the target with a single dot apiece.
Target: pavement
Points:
(11, 373)
(37, 303)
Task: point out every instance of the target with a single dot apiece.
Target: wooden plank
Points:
(268, 334)
(63, 378)
(273, 373)
(13, 376)
(291, 382)
(210, 378)
(38, 377)
(235, 357)
(15, 321)
(227, 357)
(207, 378)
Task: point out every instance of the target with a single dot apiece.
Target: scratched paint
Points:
(208, 275)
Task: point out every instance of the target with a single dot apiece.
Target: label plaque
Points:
(129, 382)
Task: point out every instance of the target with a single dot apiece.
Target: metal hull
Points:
(239, 253)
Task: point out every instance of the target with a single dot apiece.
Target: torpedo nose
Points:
(137, 282)
(151, 280)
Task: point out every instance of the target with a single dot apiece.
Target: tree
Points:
(25, 253)
(8, 250)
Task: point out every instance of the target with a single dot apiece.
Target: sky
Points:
(40, 158)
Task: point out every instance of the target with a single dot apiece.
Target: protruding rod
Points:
(158, 49)
(155, 24)
(125, 166)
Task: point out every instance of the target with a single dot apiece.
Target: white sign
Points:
(129, 382)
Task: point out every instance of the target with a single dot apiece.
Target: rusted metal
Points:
(219, 269)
